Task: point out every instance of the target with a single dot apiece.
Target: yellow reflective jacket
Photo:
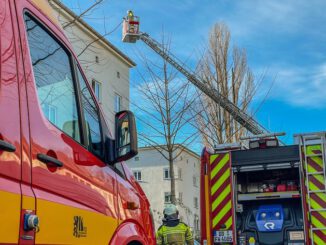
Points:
(176, 235)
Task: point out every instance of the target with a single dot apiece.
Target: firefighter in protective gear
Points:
(130, 15)
(173, 232)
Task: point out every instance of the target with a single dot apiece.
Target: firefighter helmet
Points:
(130, 13)
(170, 209)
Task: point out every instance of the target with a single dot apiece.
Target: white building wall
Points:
(190, 167)
(151, 164)
(100, 63)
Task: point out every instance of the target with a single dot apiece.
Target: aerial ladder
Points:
(131, 34)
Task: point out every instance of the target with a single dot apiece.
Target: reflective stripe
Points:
(225, 177)
(220, 191)
(317, 201)
(228, 223)
(318, 219)
(220, 165)
(174, 235)
(221, 213)
(319, 237)
(314, 163)
(221, 197)
(316, 182)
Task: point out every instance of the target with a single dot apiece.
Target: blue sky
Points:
(284, 39)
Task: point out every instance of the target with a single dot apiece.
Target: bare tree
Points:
(87, 47)
(165, 118)
(98, 2)
(226, 70)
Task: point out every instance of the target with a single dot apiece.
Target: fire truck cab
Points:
(266, 194)
(62, 175)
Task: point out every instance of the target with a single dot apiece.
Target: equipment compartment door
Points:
(313, 157)
(221, 197)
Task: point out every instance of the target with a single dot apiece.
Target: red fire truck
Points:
(62, 175)
(266, 194)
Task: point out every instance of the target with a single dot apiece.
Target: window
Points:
(137, 175)
(91, 115)
(180, 197)
(196, 223)
(180, 173)
(196, 202)
(167, 197)
(166, 173)
(194, 179)
(53, 78)
(117, 103)
(50, 112)
(97, 88)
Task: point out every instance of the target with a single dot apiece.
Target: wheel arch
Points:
(129, 233)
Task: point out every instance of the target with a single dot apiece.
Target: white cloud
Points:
(252, 18)
(301, 86)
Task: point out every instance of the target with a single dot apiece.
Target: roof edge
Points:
(184, 148)
(84, 24)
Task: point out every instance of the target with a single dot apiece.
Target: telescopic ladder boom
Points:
(131, 34)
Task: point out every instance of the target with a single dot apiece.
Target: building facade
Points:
(151, 170)
(105, 66)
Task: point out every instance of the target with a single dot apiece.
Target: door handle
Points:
(6, 146)
(49, 160)
(131, 205)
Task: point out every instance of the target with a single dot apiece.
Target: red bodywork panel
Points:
(203, 219)
(85, 182)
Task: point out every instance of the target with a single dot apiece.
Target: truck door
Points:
(10, 134)
(313, 160)
(218, 198)
(75, 191)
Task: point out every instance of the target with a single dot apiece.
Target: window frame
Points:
(136, 174)
(49, 107)
(179, 173)
(196, 204)
(74, 66)
(167, 194)
(180, 197)
(71, 59)
(168, 171)
(88, 144)
(195, 181)
(116, 95)
(99, 84)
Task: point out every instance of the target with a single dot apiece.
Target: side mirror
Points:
(125, 136)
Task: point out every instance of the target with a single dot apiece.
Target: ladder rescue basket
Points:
(130, 28)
